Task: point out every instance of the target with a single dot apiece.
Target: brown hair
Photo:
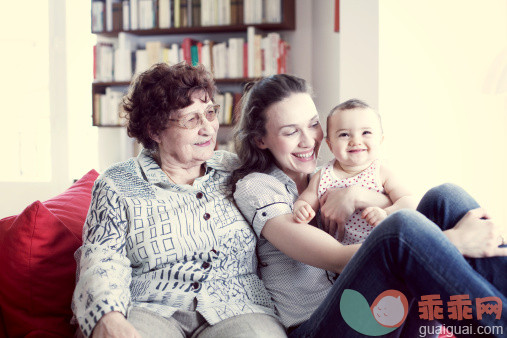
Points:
(158, 92)
(258, 97)
(349, 105)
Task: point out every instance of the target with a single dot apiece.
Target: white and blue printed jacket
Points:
(164, 247)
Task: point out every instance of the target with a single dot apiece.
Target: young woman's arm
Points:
(307, 244)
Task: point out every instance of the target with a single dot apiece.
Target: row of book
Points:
(125, 15)
(107, 107)
(235, 58)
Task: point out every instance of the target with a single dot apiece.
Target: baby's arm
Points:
(308, 202)
(397, 192)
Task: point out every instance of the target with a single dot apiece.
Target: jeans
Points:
(408, 252)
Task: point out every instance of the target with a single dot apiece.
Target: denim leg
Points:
(408, 253)
(445, 205)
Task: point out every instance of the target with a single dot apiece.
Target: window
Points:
(24, 92)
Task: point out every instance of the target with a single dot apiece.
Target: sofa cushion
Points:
(37, 256)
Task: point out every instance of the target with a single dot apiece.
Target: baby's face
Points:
(355, 136)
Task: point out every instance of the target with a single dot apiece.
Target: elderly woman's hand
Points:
(477, 236)
(114, 324)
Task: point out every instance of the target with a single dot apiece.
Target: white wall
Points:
(441, 94)
(345, 63)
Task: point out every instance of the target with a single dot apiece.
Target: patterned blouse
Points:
(296, 288)
(164, 247)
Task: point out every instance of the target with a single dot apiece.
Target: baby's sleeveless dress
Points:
(356, 228)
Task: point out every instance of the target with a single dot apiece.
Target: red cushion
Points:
(37, 258)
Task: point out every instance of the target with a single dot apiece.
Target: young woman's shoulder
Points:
(256, 183)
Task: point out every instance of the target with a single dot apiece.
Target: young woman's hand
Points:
(114, 324)
(374, 215)
(336, 207)
(477, 236)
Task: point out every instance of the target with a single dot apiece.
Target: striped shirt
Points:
(297, 289)
(164, 247)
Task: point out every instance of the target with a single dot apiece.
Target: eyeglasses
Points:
(190, 121)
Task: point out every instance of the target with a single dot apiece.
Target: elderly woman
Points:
(277, 140)
(165, 251)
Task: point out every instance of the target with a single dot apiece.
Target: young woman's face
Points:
(293, 134)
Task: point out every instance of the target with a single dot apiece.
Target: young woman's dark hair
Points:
(157, 93)
(257, 98)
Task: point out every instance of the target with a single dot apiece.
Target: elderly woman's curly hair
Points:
(158, 92)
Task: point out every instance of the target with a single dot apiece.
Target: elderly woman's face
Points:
(188, 147)
(293, 134)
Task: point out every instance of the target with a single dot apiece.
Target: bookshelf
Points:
(214, 32)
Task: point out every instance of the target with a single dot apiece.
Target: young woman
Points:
(277, 140)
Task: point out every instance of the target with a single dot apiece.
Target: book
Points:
(174, 54)
(250, 38)
(176, 13)
(194, 55)
(125, 15)
(98, 16)
(104, 59)
(248, 12)
(232, 52)
(245, 59)
(122, 64)
(117, 16)
(186, 48)
(236, 110)
(154, 52)
(196, 13)
(234, 12)
(227, 108)
(184, 13)
(220, 100)
(134, 13)
(96, 109)
(147, 14)
(164, 14)
(205, 9)
(109, 15)
(273, 11)
(205, 59)
(257, 54)
(141, 61)
(257, 11)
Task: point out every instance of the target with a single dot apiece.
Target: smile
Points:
(356, 150)
(203, 144)
(305, 156)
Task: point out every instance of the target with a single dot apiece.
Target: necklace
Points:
(169, 176)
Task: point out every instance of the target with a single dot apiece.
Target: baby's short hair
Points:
(349, 105)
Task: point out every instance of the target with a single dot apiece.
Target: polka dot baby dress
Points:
(356, 228)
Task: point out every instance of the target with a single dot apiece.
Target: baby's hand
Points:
(303, 212)
(373, 215)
